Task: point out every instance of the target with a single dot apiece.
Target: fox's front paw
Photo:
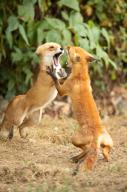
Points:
(23, 133)
(5, 134)
(51, 72)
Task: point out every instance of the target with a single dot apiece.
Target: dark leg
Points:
(6, 130)
(11, 133)
(79, 157)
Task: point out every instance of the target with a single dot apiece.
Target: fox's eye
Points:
(51, 47)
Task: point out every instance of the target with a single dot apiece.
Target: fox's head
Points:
(78, 55)
(50, 55)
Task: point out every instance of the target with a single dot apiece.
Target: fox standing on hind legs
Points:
(38, 96)
(91, 134)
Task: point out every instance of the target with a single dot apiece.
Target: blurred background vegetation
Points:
(99, 26)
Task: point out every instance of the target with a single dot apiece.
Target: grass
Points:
(42, 163)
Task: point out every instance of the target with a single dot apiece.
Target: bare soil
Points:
(42, 162)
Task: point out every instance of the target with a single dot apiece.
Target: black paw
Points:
(51, 72)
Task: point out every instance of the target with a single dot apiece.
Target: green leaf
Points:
(84, 43)
(31, 32)
(106, 36)
(28, 73)
(11, 84)
(76, 39)
(113, 64)
(65, 15)
(43, 5)
(91, 37)
(73, 4)
(66, 37)
(17, 55)
(13, 23)
(56, 23)
(40, 35)
(29, 1)
(75, 18)
(95, 33)
(113, 75)
(80, 30)
(91, 40)
(104, 56)
(53, 36)
(9, 38)
(26, 11)
(44, 25)
(23, 34)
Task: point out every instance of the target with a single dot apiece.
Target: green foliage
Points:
(112, 16)
(90, 24)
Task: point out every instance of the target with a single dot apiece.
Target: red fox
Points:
(91, 134)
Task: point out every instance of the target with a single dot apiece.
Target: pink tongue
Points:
(55, 61)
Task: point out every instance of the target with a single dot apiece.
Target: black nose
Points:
(61, 49)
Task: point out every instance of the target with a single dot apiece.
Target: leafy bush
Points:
(26, 24)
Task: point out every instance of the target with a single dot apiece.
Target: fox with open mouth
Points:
(43, 91)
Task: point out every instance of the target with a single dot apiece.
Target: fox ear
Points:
(68, 47)
(38, 51)
(90, 58)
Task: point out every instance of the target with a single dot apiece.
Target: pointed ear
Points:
(38, 50)
(90, 58)
(67, 48)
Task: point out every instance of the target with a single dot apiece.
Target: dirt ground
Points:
(42, 162)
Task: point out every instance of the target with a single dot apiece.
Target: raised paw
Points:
(51, 72)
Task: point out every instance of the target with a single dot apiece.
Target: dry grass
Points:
(42, 163)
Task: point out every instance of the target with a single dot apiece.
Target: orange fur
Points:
(91, 134)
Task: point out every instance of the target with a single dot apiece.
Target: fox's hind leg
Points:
(77, 158)
(6, 130)
(82, 142)
(88, 160)
(32, 120)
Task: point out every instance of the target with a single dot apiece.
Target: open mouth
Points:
(56, 58)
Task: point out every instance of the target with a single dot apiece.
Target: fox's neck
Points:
(43, 76)
(80, 71)
(43, 62)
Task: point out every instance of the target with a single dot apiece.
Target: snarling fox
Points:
(42, 92)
